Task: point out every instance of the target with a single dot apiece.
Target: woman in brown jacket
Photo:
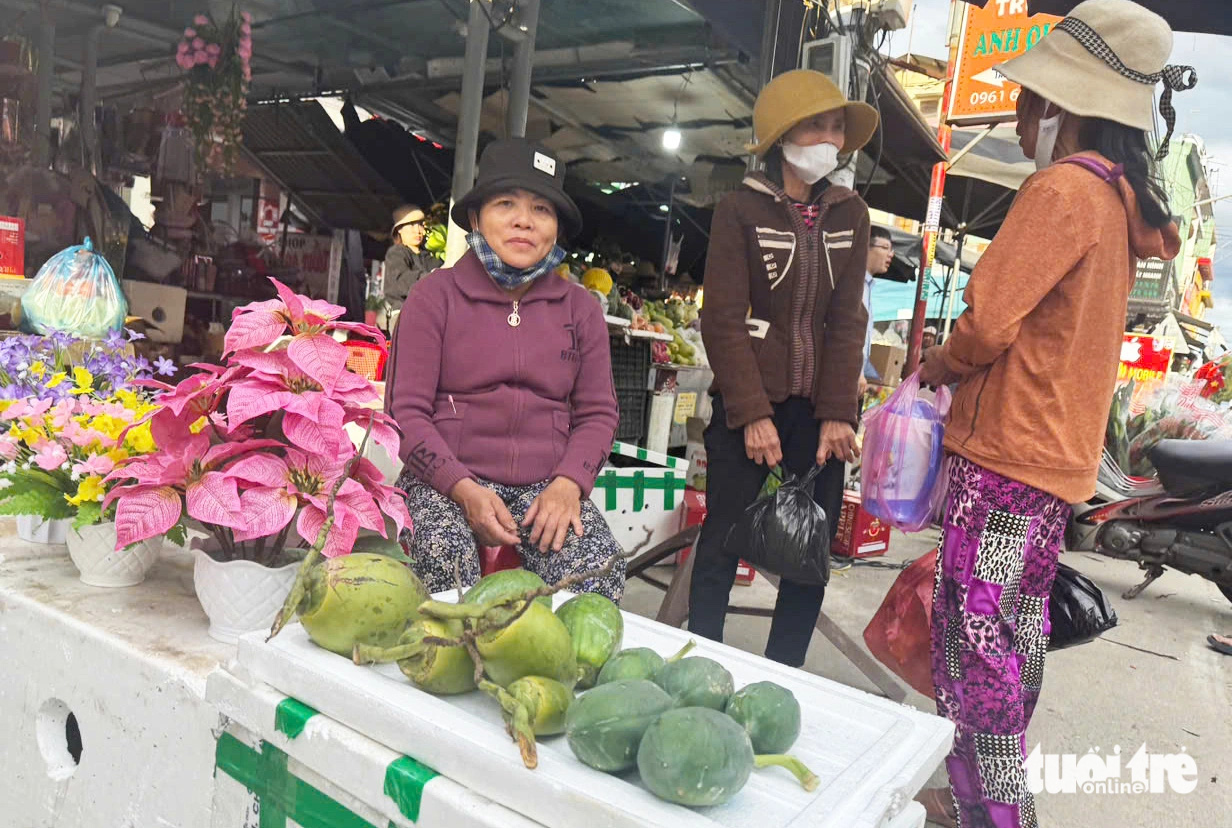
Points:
(1035, 358)
(792, 248)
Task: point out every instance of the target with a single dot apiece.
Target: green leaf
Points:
(177, 535)
(32, 497)
(88, 514)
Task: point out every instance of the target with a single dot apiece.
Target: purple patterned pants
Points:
(989, 634)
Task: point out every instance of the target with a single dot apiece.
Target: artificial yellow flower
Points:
(38, 369)
(141, 440)
(57, 379)
(5, 405)
(84, 381)
(88, 490)
(199, 425)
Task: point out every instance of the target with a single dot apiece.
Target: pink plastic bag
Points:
(902, 481)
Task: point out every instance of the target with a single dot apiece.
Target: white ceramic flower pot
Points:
(240, 597)
(92, 549)
(34, 529)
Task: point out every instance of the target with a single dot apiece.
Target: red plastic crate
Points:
(860, 535)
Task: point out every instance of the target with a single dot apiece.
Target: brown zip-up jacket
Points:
(783, 313)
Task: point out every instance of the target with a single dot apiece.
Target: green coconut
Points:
(360, 598)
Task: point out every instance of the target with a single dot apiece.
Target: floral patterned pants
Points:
(442, 540)
(989, 634)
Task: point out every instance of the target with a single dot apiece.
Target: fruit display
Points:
(664, 717)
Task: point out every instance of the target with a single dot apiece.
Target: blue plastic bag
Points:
(75, 292)
(901, 479)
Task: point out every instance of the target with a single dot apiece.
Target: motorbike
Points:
(1184, 522)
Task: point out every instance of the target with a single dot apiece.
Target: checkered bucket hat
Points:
(1104, 61)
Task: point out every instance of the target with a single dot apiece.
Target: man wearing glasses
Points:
(880, 252)
(407, 262)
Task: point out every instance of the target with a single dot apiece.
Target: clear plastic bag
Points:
(902, 481)
(76, 292)
(786, 532)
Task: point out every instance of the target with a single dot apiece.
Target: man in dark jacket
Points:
(407, 262)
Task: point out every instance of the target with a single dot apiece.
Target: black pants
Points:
(732, 485)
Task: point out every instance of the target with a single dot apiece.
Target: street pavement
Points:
(1152, 680)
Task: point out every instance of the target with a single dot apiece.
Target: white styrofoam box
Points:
(161, 306)
(871, 755)
(131, 666)
(640, 504)
(344, 765)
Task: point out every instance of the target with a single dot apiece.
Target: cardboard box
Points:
(12, 248)
(860, 535)
(160, 305)
(695, 515)
(889, 361)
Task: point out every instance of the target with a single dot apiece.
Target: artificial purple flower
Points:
(114, 339)
(133, 336)
(164, 367)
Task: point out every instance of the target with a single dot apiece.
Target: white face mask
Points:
(1046, 140)
(811, 163)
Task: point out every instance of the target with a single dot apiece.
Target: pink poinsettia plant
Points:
(256, 451)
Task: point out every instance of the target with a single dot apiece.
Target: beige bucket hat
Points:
(1103, 61)
(800, 94)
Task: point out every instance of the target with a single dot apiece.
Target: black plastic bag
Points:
(786, 533)
(1078, 610)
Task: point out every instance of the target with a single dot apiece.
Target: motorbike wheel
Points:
(1226, 590)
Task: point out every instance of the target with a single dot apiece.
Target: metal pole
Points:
(42, 106)
(932, 222)
(769, 49)
(523, 65)
(667, 233)
(89, 99)
(469, 110)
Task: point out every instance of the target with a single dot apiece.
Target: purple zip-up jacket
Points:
(478, 398)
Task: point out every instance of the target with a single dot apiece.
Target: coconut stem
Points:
(517, 721)
(807, 778)
(299, 589)
(684, 651)
(369, 654)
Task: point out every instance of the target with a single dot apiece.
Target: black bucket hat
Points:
(520, 164)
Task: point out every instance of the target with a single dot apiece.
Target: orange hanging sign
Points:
(990, 36)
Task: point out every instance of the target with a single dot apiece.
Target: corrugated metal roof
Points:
(301, 148)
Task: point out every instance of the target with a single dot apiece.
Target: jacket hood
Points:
(1145, 241)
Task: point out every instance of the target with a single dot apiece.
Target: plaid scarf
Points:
(505, 275)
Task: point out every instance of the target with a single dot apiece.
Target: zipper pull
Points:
(514, 318)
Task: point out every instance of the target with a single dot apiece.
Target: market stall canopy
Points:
(298, 145)
(1210, 16)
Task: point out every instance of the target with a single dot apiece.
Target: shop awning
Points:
(1210, 16)
(298, 145)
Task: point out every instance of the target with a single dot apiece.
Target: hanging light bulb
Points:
(671, 138)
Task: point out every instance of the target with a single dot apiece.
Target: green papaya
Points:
(596, 628)
(508, 583)
(637, 663)
(769, 713)
(604, 725)
(696, 682)
(698, 756)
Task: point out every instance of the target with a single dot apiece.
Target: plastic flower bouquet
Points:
(216, 57)
(257, 451)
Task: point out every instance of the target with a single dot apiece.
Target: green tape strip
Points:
(610, 482)
(405, 780)
(292, 717)
(282, 795)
